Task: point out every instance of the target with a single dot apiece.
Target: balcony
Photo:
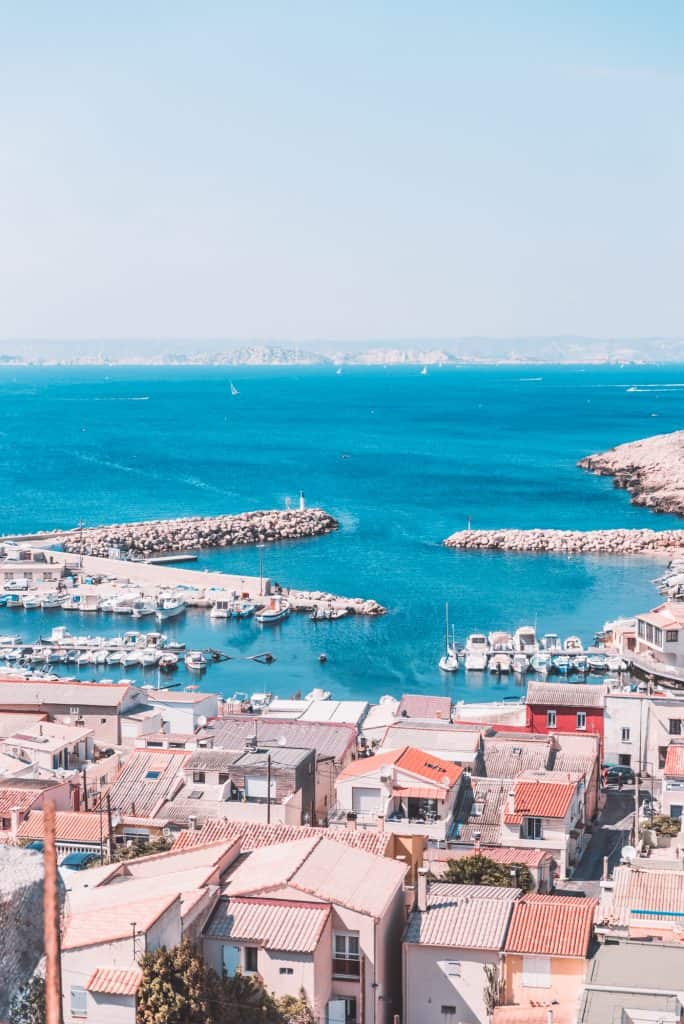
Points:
(348, 967)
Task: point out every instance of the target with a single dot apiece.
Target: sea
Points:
(401, 459)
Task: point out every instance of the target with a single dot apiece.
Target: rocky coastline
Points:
(572, 542)
(651, 469)
(151, 539)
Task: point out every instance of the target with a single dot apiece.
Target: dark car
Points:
(618, 773)
(79, 861)
(35, 844)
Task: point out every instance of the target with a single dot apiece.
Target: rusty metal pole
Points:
(53, 974)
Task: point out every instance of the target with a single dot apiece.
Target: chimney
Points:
(192, 822)
(549, 1016)
(381, 823)
(15, 821)
(421, 890)
(477, 836)
(351, 820)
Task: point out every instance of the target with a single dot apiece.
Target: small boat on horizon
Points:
(233, 390)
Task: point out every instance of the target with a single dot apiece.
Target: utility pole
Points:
(260, 548)
(109, 827)
(638, 777)
(268, 789)
(53, 974)
(85, 790)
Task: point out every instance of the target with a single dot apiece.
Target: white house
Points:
(414, 792)
(639, 727)
(545, 810)
(184, 710)
(660, 638)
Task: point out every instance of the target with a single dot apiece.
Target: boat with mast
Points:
(449, 660)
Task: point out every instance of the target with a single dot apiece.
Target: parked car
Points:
(79, 861)
(35, 844)
(618, 773)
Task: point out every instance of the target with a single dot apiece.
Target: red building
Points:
(566, 707)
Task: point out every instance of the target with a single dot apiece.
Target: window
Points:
(532, 828)
(581, 720)
(77, 712)
(5, 824)
(536, 972)
(448, 1011)
(658, 637)
(675, 810)
(223, 778)
(626, 735)
(199, 777)
(286, 970)
(251, 959)
(452, 968)
(350, 1010)
(153, 775)
(550, 719)
(625, 759)
(346, 956)
(671, 636)
(103, 721)
(79, 1005)
(662, 754)
(675, 727)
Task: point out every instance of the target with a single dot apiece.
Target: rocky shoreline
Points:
(151, 539)
(651, 469)
(575, 542)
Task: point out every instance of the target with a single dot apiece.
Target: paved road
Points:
(611, 832)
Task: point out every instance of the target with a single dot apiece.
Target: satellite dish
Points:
(628, 853)
(202, 720)
(282, 741)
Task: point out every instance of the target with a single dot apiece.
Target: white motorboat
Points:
(168, 661)
(614, 663)
(221, 609)
(244, 609)
(149, 658)
(275, 611)
(114, 658)
(597, 663)
(551, 642)
(30, 601)
(142, 607)
(260, 701)
(525, 640)
(195, 661)
(561, 663)
(100, 656)
(541, 662)
(129, 658)
(86, 658)
(579, 664)
(500, 663)
(500, 642)
(71, 603)
(573, 645)
(318, 694)
(52, 600)
(169, 608)
(521, 663)
(476, 652)
(449, 660)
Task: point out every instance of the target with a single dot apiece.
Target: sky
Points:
(333, 171)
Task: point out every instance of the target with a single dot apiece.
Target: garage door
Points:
(365, 800)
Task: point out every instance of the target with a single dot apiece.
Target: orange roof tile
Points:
(409, 759)
(111, 982)
(543, 799)
(551, 925)
(674, 761)
(253, 835)
(562, 1014)
(70, 826)
(21, 798)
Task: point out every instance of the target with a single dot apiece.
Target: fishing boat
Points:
(71, 603)
(30, 601)
(221, 609)
(521, 663)
(597, 663)
(114, 658)
(233, 390)
(149, 658)
(276, 610)
(541, 662)
(244, 609)
(142, 607)
(551, 642)
(13, 601)
(168, 662)
(525, 640)
(195, 661)
(579, 664)
(52, 600)
(476, 652)
(169, 608)
(573, 645)
(500, 663)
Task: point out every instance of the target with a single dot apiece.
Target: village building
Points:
(75, 831)
(565, 707)
(51, 745)
(458, 743)
(640, 980)
(99, 707)
(545, 810)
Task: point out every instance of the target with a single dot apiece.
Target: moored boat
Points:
(561, 663)
(169, 607)
(275, 611)
(500, 663)
(525, 640)
(476, 652)
(195, 661)
(521, 663)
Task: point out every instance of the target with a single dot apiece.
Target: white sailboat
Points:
(233, 390)
(423, 372)
(449, 660)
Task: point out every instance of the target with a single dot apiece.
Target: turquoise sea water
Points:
(497, 444)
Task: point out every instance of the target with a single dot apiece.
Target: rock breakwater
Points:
(150, 539)
(651, 469)
(575, 542)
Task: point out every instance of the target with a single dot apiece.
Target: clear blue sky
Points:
(341, 171)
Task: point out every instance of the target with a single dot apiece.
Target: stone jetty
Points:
(308, 600)
(149, 539)
(572, 542)
(652, 470)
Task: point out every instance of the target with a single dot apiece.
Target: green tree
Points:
(480, 870)
(295, 1009)
(176, 988)
(28, 1006)
(142, 848)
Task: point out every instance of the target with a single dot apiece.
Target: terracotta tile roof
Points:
(147, 780)
(328, 739)
(506, 758)
(112, 982)
(70, 826)
(570, 695)
(282, 925)
(674, 761)
(541, 799)
(104, 924)
(551, 926)
(414, 762)
(437, 859)
(36, 693)
(255, 836)
(463, 916)
(420, 705)
(489, 796)
(670, 614)
(21, 798)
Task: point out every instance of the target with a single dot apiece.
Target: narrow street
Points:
(611, 832)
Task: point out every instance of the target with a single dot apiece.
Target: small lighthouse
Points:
(302, 501)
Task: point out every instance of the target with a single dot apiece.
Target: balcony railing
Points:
(347, 966)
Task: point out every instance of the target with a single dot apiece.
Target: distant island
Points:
(568, 351)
